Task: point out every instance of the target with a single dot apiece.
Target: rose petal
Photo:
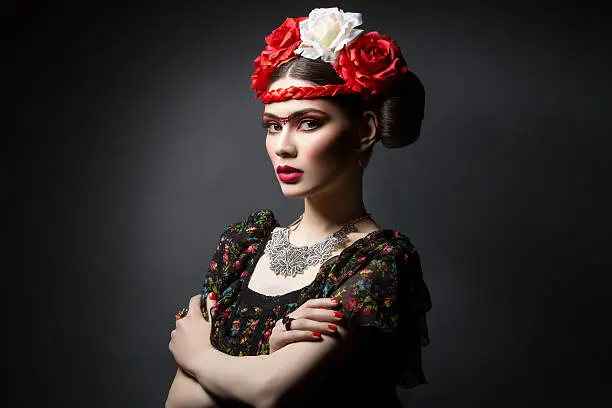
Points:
(354, 19)
(327, 31)
(308, 52)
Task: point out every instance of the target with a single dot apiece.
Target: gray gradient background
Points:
(137, 141)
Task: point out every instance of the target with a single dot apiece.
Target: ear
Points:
(369, 129)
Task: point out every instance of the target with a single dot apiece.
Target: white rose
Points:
(326, 31)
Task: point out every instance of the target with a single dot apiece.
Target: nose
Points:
(285, 146)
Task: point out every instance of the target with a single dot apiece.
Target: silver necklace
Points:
(289, 260)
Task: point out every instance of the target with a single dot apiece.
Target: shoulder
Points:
(378, 255)
(386, 250)
(392, 244)
(238, 240)
(254, 226)
(395, 264)
(382, 281)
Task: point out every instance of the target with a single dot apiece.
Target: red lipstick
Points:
(288, 174)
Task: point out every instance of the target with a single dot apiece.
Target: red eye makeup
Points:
(306, 115)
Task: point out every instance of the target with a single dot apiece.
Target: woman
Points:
(329, 310)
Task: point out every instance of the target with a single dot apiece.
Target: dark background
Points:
(136, 141)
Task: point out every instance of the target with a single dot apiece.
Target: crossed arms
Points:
(265, 381)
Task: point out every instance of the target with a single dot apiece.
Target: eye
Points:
(310, 124)
(271, 127)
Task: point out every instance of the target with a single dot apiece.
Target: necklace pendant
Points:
(289, 260)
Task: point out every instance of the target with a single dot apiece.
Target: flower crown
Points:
(367, 62)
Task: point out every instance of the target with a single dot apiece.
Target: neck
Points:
(326, 212)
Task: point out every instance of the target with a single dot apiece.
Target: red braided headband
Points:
(304, 92)
(368, 63)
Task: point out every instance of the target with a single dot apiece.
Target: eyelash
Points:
(317, 123)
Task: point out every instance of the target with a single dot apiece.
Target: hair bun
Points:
(400, 112)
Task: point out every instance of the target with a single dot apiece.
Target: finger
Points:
(194, 306)
(310, 326)
(322, 303)
(321, 315)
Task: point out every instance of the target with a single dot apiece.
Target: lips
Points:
(288, 174)
(287, 169)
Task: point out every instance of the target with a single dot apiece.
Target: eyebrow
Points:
(296, 113)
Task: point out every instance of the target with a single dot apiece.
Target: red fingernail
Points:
(317, 334)
(212, 296)
(332, 327)
(338, 314)
(334, 301)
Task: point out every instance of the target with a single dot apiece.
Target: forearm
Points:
(186, 392)
(227, 377)
(270, 381)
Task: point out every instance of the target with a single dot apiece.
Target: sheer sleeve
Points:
(218, 274)
(389, 297)
(237, 245)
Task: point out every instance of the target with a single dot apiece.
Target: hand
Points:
(190, 341)
(312, 316)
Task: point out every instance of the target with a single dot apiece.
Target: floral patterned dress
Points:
(378, 280)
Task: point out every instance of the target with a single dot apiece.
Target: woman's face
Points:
(313, 136)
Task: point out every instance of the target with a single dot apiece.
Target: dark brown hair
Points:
(400, 111)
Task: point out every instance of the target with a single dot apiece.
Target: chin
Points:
(301, 189)
(293, 191)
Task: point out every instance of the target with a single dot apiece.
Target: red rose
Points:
(261, 78)
(370, 63)
(281, 44)
(284, 40)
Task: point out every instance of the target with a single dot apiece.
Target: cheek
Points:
(318, 151)
(328, 150)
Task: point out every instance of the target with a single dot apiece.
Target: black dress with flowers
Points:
(378, 280)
